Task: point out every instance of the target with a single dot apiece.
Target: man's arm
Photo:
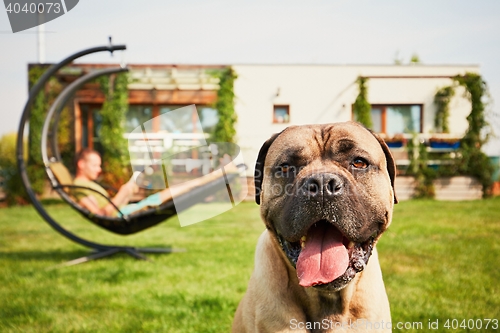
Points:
(90, 203)
(121, 198)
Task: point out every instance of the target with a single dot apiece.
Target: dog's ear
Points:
(391, 164)
(259, 166)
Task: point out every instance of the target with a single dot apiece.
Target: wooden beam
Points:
(205, 97)
(78, 125)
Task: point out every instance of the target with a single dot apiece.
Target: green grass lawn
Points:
(440, 261)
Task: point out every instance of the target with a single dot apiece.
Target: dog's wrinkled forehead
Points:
(308, 142)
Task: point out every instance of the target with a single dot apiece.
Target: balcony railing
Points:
(441, 146)
(149, 149)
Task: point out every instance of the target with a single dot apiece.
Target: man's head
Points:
(88, 164)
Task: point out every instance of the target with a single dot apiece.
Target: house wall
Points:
(325, 93)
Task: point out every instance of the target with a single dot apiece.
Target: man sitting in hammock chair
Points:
(88, 168)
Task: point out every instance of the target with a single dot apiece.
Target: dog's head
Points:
(326, 193)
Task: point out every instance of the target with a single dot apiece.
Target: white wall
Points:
(325, 93)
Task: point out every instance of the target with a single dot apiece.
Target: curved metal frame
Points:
(62, 100)
(102, 249)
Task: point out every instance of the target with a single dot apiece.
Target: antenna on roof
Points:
(110, 39)
(41, 41)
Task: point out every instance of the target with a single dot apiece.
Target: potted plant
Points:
(444, 143)
(396, 141)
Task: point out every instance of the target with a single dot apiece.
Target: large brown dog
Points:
(326, 195)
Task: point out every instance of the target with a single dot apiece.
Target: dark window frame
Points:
(276, 106)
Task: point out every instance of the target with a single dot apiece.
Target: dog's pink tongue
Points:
(324, 257)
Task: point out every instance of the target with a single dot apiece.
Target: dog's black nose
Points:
(323, 184)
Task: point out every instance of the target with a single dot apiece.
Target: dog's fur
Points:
(360, 208)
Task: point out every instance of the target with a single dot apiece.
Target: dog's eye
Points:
(360, 163)
(285, 168)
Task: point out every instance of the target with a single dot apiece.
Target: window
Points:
(403, 119)
(394, 119)
(91, 122)
(281, 114)
(208, 118)
(137, 115)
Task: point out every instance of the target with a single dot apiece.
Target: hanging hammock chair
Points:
(186, 194)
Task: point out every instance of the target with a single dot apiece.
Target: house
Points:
(271, 97)
(153, 91)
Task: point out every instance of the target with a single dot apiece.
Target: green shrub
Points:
(12, 183)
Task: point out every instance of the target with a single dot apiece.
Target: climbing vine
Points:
(442, 101)
(476, 91)
(474, 161)
(224, 130)
(113, 144)
(419, 168)
(470, 160)
(39, 108)
(362, 108)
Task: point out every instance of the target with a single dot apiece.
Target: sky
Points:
(262, 32)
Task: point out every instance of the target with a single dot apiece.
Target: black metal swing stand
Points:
(123, 225)
(136, 252)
